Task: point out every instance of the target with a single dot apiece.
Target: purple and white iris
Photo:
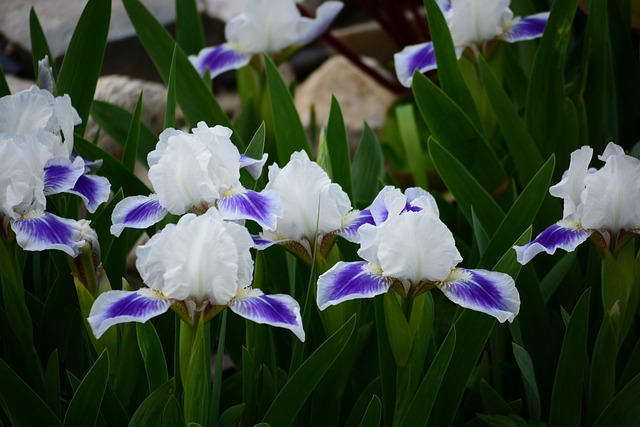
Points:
(471, 23)
(313, 209)
(37, 160)
(264, 27)
(603, 202)
(410, 248)
(197, 267)
(192, 172)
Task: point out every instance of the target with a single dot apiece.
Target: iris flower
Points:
(192, 172)
(472, 23)
(603, 203)
(197, 267)
(411, 249)
(37, 160)
(313, 209)
(266, 26)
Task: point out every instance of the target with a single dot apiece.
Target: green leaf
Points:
(372, 415)
(133, 138)
(189, 27)
(83, 61)
(152, 355)
(449, 72)
(170, 112)
(453, 129)
(413, 148)
(4, 86)
(556, 275)
(492, 402)
(467, 191)
(362, 403)
(217, 376)
(288, 129)
(623, 409)
(85, 405)
(300, 385)
(338, 145)
(603, 369)
(523, 150)
(172, 415)
(196, 382)
(52, 383)
(530, 385)
(39, 45)
(193, 95)
(151, 410)
(21, 403)
(232, 416)
(367, 168)
(127, 373)
(566, 399)
(102, 224)
(400, 338)
(545, 106)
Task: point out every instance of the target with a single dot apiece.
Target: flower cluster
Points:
(37, 160)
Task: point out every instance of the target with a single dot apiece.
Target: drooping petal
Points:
(350, 280)
(264, 207)
(276, 310)
(352, 222)
(526, 28)
(219, 59)
(42, 231)
(489, 292)
(421, 57)
(311, 29)
(61, 175)
(93, 189)
(253, 166)
(571, 186)
(266, 239)
(136, 212)
(564, 235)
(114, 307)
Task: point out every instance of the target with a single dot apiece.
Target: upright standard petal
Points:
(263, 208)
(219, 59)
(489, 292)
(275, 310)
(311, 29)
(114, 307)
(42, 231)
(566, 235)
(93, 189)
(60, 175)
(526, 28)
(419, 57)
(253, 166)
(136, 212)
(350, 280)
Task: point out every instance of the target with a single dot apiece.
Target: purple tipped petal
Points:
(219, 59)
(489, 292)
(527, 28)
(355, 219)
(562, 235)
(264, 208)
(93, 189)
(136, 212)
(267, 239)
(325, 15)
(445, 5)
(60, 176)
(419, 57)
(114, 307)
(253, 166)
(350, 280)
(39, 232)
(275, 310)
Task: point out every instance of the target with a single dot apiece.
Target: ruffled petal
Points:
(314, 28)
(93, 189)
(219, 59)
(489, 292)
(253, 166)
(136, 212)
(61, 175)
(419, 57)
(526, 28)
(352, 222)
(114, 307)
(564, 235)
(42, 231)
(264, 208)
(276, 310)
(350, 280)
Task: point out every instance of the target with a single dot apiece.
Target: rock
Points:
(361, 98)
(18, 84)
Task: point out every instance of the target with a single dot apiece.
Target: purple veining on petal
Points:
(93, 189)
(557, 236)
(419, 57)
(275, 310)
(136, 212)
(350, 230)
(349, 280)
(134, 305)
(218, 60)
(47, 231)
(527, 28)
(263, 208)
(59, 178)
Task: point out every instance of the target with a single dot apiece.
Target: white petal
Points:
(61, 174)
(527, 28)
(310, 29)
(219, 59)
(136, 212)
(43, 231)
(572, 185)
(565, 235)
(263, 208)
(421, 57)
(253, 166)
(350, 280)
(474, 22)
(93, 189)
(25, 112)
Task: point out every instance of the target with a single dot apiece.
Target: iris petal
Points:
(354, 220)
(350, 280)
(264, 207)
(60, 176)
(275, 310)
(44, 231)
(526, 28)
(253, 166)
(562, 235)
(421, 57)
(93, 189)
(136, 212)
(489, 292)
(314, 28)
(219, 59)
(114, 307)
